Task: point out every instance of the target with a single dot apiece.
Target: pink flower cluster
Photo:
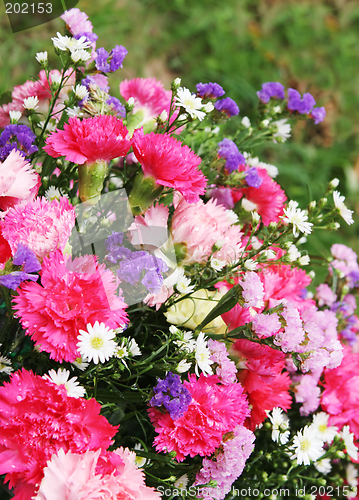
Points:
(226, 369)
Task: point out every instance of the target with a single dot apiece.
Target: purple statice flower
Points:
(14, 279)
(152, 280)
(349, 335)
(23, 136)
(26, 257)
(227, 106)
(229, 151)
(101, 60)
(252, 177)
(209, 90)
(117, 55)
(303, 105)
(228, 464)
(271, 89)
(117, 106)
(172, 394)
(318, 114)
(223, 196)
(226, 369)
(90, 37)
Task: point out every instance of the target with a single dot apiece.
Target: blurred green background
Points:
(310, 45)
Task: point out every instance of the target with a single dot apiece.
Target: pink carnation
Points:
(149, 95)
(42, 225)
(77, 22)
(199, 226)
(72, 476)
(100, 137)
(150, 230)
(71, 295)
(18, 181)
(38, 418)
(269, 198)
(171, 163)
(215, 409)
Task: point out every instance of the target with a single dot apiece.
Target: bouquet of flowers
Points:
(157, 335)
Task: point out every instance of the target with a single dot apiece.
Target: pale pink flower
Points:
(42, 225)
(77, 22)
(325, 295)
(199, 226)
(266, 325)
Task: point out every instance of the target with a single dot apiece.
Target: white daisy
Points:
(31, 102)
(250, 264)
(352, 478)
(348, 438)
(249, 206)
(41, 57)
(183, 285)
(183, 366)
(80, 364)
(324, 465)
(133, 348)
(186, 341)
(50, 127)
(283, 130)
(343, 210)
(280, 432)
(293, 253)
(202, 355)
(246, 122)
(97, 344)
(334, 183)
(139, 461)
(72, 387)
(70, 43)
(181, 482)
(80, 91)
(121, 350)
(5, 365)
(308, 446)
(298, 218)
(192, 104)
(304, 260)
(217, 264)
(54, 193)
(15, 116)
(80, 55)
(75, 111)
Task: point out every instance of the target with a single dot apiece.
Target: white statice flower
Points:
(31, 102)
(217, 264)
(348, 438)
(80, 55)
(183, 285)
(54, 193)
(283, 130)
(69, 43)
(5, 365)
(192, 104)
(343, 209)
(186, 342)
(250, 264)
(208, 107)
(298, 218)
(293, 253)
(133, 348)
(307, 446)
(246, 122)
(202, 356)
(61, 377)
(183, 366)
(352, 479)
(324, 466)
(80, 91)
(41, 57)
(280, 426)
(304, 260)
(80, 364)
(15, 116)
(181, 482)
(320, 423)
(249, 206)
(97, 344)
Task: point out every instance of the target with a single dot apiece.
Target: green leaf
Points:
(225, 304)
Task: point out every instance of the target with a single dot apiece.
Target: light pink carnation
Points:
(201, 225)
(71, 295)
(77, 22)
(42, 225)
(150, 230)
(149, 95)
(100, 137)
(170, 163)
(38, 418)
(215, 409)
(18, 181)
(71, 476)
(266, 325)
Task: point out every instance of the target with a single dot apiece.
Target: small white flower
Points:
(181, 482)
(312, 274)
(232, 217)
(5, 365)
(190, 103)
(343, 210)
(173, 329)
(80, 364)
(186, 341)
(80, 91)
(121, 350)
(139, 461)
(54, 193)
(348, 439)
(265, 123)
(56, 79)
(298, 218)
(15, 116)
(246, 122)
(208, 107)
(280, 432)
(183, 285)
(320, 423)
(177, 81)
(183, 366)
(248, 205)
(255, 243)
(70, 43)
(283, 130)
(163, 116)
(304, 260)
(75, 111)
(131, 101)
(61, 377)
(50, 127)
(80, 55)
(324, 466)
(217, 264)
(307, 445)
(31, 102)
(255, 218)
(133, 348)
(202, 355)
(216, 130)
(250, 264)
(293, 253)
(352, 478)
(269, 254)
(334, 183)
(276, 109)
(97, 344)
(41, 57)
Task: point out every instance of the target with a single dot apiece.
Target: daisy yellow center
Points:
(96, 343)
(322, 428)
(305, 445)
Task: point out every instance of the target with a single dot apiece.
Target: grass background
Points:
(310, 45)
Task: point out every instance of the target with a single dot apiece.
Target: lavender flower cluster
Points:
(18, 137)
(171, 394)
(26, 258)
